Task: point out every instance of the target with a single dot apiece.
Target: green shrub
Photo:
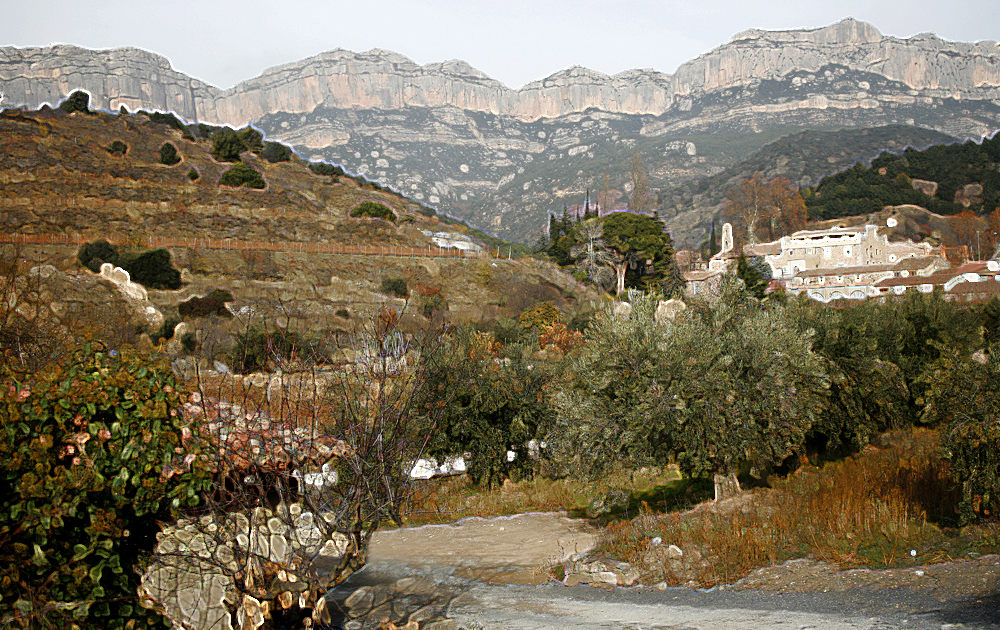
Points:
(153, 269)
(93, 456)
(375, 210)
(117, 148)
(499, 406)
(228, 144)
(430, 304)
(189, 341)
(193, 174)
(166, 331)
(342, 312)
(164, 118)
(323, 168)
(168, 154)
(963, 395)
(395, 286)
(275, 152)
(76, 102)
(242, 175)
(93, 255)
(256, 348)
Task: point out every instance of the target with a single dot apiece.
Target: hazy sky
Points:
(515, 41)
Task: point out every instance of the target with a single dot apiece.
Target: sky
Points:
(513, 41)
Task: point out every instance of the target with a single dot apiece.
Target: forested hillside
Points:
(954, 177)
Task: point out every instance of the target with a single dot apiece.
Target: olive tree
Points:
(728, 384)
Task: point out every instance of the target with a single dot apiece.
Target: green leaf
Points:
(80, 552)
(96, 571)
(39, 558)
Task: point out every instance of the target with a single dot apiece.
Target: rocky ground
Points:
(494, 574)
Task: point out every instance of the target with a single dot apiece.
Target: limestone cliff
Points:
(122, 76)
(380, 79)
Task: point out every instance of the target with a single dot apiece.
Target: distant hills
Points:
(457, 139)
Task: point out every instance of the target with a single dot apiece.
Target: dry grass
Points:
(869, 510)
(446, 500)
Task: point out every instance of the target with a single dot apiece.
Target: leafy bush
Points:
(323, 168)
(168, 154)
(189, 341)
(93, 255)
(117, 148)
(228, 144)
(164, 118)
(78, 101)
(153, 269)
(375, 210)
(256, 348)
(963, 394)
(221, 295)
(193, 174)
(276, 152)
(499, 406)
(240, 175)
(93, 455)
(395, 286)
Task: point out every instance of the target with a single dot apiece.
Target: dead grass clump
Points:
(868, 510)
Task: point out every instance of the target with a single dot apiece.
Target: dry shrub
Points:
(867, 510)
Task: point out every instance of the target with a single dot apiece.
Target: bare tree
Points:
(308, 461)
(756, 202)
(594, 258)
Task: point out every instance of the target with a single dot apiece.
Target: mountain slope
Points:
(451, 136)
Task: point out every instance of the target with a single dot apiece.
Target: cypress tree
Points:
(713, 241)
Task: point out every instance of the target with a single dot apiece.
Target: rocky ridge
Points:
(382, 79)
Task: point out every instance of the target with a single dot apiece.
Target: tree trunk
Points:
(620, 272)
(726, 485)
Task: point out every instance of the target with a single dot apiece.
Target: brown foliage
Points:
(756, 204)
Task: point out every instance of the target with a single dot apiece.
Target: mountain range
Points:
(448, 135)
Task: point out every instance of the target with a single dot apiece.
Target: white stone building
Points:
(806, 250)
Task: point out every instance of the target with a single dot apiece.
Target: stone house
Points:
(806, 250)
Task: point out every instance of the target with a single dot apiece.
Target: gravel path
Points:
(491, 574)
